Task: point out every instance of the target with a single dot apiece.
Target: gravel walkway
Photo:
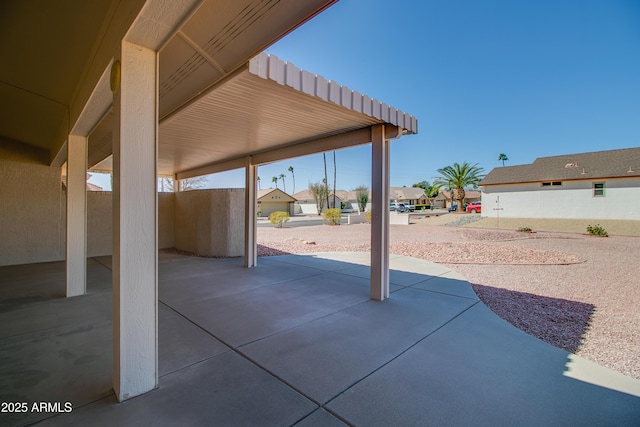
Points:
(576, 292)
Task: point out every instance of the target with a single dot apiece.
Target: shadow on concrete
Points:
(559, 322)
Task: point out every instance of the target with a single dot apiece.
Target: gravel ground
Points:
(576, 292)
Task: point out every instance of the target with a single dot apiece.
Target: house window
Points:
(551, 183)
(598, 189)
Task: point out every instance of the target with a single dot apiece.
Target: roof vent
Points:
(630, 170)
(571, 165)
(583, 172)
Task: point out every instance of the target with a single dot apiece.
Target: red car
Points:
(474, 207)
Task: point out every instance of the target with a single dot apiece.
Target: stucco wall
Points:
(32, 206)
(100, 223)
(210, 222)
(572, 200)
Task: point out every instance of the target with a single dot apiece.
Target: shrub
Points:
(332, 216)
(367, 217)
(524, 230)
(279, 218)
(596, 230)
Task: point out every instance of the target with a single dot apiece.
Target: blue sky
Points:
(524, 78)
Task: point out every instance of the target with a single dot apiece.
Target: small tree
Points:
(279, 218)
(332, 216)
(503, 157)
(362, 196)
(319, 192)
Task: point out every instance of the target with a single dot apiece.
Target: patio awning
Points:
(269, 109)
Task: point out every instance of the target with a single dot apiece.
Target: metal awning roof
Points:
(267, 105)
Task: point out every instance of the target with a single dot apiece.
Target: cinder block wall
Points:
(32, 206)
(210, 222)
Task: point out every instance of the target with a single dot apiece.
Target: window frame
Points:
(595, 189)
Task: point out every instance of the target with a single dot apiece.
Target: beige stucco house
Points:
(272, 200)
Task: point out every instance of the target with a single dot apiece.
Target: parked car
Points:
(454, 208)
(474, 207)
(401, 207)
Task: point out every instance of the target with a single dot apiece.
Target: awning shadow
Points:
(559, 322)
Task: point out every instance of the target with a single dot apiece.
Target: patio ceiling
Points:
(57, 53)
(265, 105)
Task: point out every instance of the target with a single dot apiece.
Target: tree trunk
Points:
(334, 178)
(458, 195)
(326, 182)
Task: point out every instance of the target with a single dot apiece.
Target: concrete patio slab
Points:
(245, 317)
(225, 390)
(181, 343)
(479, 370)
(292, 342)
(325, 357)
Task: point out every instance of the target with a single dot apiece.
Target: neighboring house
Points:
(348, 200)
(272, 200)
(410, 195)
(598, 185)
(443, 199)
(306, 203)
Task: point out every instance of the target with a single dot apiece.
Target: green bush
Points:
(596, 230)
(524, 230)
(367, 216)
(332, 216)
(279, 218)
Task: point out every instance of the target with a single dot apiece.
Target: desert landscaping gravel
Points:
(576, 292)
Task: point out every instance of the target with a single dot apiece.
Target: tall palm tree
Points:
(284, 184)
(258, 179)
(457, 177)
(503, 157)
(326, 183)
(334, 178)
(275, 179)
(294, 179)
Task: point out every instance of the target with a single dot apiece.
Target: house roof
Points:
(285, 197)
(405, 193)
(595, 165)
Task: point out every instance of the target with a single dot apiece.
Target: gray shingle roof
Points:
(595, 165)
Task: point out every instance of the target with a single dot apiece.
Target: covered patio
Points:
(297, 341)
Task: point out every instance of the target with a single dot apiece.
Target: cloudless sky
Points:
(525, 78)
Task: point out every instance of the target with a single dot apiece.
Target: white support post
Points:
(135, 213)
(76, 257)
(379, 286)
(250, 201)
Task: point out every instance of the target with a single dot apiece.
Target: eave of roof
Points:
(622, 163)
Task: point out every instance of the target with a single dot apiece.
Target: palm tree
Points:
(457, 177)
(258, 179)
(326, 183)
(431, 192)
(503, 157)
(334, 178)
(294, 179)
(284, 184)
(275, 179)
